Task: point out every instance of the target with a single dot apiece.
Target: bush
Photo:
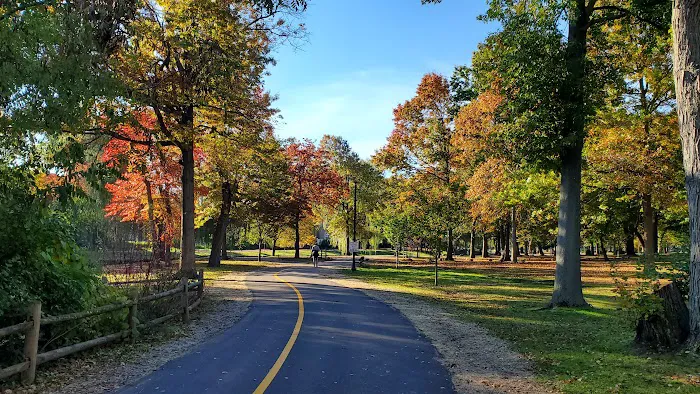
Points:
(40, 260)
(638, 292)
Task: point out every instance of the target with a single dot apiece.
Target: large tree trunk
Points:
(514, 236)
(274, 246)
(472, 235)
(505, 256)
(629, 242)
(187, 255)
(648, 213)
(568, 290)
(686, 61)
(485, 245)
(297, 218)
(603, 250)
(450, 245)
(218, 239)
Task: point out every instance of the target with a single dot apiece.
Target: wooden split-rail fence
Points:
(31, 328)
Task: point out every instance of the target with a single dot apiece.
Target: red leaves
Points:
(144, 167)
(314, 179)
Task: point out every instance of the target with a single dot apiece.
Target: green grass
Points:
(229, 266)
(586, 350)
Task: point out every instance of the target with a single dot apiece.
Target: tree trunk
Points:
(655, 234)
(167, 242)
(648, 212)
(218, 239)
(686, 60)
(539, 249)
(259, 249)
(505, 256)
(485, 246)
(568, 289)
(397, 257)
(296, 235)
(514, 236)
(499, 244)
(668, 328)
(472, 235)
(274, 246)
(437, 257)
(224, 248)
(603, 251)
(450, 246)
(155, 239)
(187, 241)
(629, 244)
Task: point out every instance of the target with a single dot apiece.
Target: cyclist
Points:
(315, 250)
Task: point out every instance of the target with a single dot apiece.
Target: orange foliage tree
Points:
(314, 182)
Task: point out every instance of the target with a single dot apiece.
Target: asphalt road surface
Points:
(306, 334)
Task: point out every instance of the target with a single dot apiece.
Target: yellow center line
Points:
(290, 343)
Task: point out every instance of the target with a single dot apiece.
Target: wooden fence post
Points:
(133, 321)
(200, 289)
(31, 343)
(185, 301)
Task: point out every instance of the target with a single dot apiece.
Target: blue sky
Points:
(362, 58)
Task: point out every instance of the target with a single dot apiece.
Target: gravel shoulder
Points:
(477, 361)
(103, 370)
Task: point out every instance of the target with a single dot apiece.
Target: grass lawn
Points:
(228, 266)
(588, 350)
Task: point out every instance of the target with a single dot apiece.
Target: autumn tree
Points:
(314, 182)
(148, 187)
(531, 58)
(423, 144)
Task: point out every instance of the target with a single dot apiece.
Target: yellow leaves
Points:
(475, 124)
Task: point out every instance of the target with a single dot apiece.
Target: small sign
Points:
(354, 246)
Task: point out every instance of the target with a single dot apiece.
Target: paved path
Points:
(343, 342)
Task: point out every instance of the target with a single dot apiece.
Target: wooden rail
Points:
(34, 322)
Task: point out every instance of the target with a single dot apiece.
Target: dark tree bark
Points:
(629, 243)
(505, 256)
(224, 249)
(648, 213)
(274, 246)
(472, 235)
(485, 245)
(514, 236)
(603, 251)
(686, 61)
(297, 218)
(450, 245)
(668, 328)
(217, 242)
(187, 241)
